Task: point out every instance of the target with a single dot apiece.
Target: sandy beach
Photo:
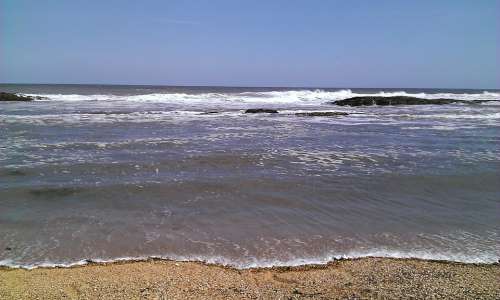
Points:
(345, 279)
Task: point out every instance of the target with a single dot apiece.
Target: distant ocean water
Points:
(109, 173)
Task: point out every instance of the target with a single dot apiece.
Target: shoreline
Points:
(368, 277)
(319, 264)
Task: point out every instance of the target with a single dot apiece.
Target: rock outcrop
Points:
(210, 112)
(14, 97)
(322, 114)
(393, 100)
(260, 111)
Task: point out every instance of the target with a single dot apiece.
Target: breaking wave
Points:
(301, 97)
(267, 263)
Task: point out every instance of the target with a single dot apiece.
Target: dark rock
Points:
(393, 100)
(105, 112)
(14, 97)
(322, 114)
(296, 292)
(212, 112)
(260, 111)
(480, 101)
(16, 173)
(53, 192)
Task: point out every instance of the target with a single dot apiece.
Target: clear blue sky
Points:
(435, 43)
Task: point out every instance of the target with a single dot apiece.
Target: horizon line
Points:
(249, 86)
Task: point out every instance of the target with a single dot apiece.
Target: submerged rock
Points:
(322, 114)
(393, 100)
(14, 97)
(210, 112)
(481, 101)
(260, 111)
(14, 173)
(54, 192)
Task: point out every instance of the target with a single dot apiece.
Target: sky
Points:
(308, 43)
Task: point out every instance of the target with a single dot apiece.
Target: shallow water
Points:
(114, 172)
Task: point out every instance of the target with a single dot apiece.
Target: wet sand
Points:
(352, 279)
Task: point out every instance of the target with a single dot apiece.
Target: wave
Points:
(452, 115)
(458, 116)
(306, 97)
(266, 263)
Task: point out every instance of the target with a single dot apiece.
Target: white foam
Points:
(301, 97)
(267, 263)
(249, 263)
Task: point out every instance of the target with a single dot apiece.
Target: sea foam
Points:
(300, 97)
(266, 263)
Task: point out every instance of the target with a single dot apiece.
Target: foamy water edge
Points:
(220, 261)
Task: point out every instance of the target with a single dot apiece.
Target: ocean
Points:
(106, 173)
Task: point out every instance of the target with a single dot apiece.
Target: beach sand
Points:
(343, 279)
